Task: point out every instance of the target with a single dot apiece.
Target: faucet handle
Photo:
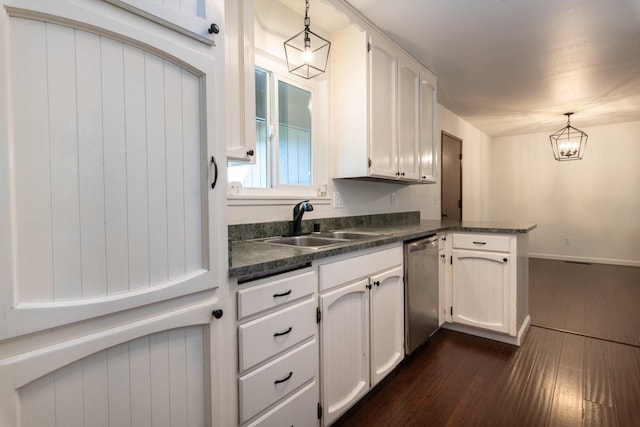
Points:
(298, 206)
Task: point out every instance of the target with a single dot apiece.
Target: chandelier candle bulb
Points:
(568, 143)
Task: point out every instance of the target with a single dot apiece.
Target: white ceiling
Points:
(515, 66)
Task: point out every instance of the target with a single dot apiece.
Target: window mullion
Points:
(274, 161)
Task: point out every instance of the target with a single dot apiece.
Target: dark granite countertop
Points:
(250, 258)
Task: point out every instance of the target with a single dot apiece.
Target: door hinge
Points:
(318, 315)
(368, 47)
(460, 204)
(319, 410)
(451, 310)
(370, 162)
(451, 260)
(460, 156)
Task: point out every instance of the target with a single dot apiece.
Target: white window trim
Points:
(319, 167)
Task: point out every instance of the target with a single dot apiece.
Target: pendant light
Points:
(568, 143)
(307, 53)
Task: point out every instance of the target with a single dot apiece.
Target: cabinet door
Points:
(428, 138)
(159, 370)
(387, 322)
(344, 352)
(240, 81)
(113, 128)
(383, 65)
(408, 118)
(480, 282)
(192, 17)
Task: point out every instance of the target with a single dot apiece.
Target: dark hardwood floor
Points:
(596, 300)
(555, 378)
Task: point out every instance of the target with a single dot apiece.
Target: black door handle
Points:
(215, 172)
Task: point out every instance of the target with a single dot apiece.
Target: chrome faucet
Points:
(298, 211)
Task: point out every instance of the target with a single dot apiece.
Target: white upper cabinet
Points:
(427, 125)
(194, 18)
(383, 68)
(240, 80)
(409, 92)
(107, 168)
(383, 110)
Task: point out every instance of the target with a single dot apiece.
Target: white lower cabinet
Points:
(276, 380)
(344, 348)
(362, 326)
(296, 407)
(481, 289)
(387, 322)
(278, 351)
(489, 285)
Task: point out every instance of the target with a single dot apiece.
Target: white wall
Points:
(594, 202)
(366, 197)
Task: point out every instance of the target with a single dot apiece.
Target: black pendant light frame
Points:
(307, 41)
(569, 142)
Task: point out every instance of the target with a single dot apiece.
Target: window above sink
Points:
(277, 155)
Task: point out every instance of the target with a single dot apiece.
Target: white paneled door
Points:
(107, 214)
(106, 170)
(192, 18)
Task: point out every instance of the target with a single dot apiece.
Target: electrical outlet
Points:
(567, 241)
(393, 199)
(337, 200)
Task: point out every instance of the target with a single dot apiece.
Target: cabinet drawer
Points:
(485, 242)
(273, 293)
(348, 270)
(299, 410)
(275, 380)
(267, 336)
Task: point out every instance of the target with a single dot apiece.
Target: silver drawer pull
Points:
(284, 379)
(479, 243)
(284, 294)
(279, 334)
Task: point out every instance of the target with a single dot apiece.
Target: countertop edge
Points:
(292, 257)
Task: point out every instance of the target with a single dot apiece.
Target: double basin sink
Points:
(318, 240)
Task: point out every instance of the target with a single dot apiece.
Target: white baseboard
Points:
(630, 263)
(496, 336)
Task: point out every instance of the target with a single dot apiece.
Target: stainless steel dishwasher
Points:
(420, 291)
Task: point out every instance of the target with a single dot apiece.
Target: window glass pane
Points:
(294, 128)
(261, 94)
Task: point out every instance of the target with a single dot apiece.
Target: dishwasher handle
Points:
(421, 245)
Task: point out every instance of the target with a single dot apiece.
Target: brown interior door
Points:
(451, 177)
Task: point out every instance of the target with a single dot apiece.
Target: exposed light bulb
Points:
(307, 56)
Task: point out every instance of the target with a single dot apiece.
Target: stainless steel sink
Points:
(313, 242)
(316, 241)
(349, 235)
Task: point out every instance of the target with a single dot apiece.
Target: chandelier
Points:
(307, 53)
(568, 143)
